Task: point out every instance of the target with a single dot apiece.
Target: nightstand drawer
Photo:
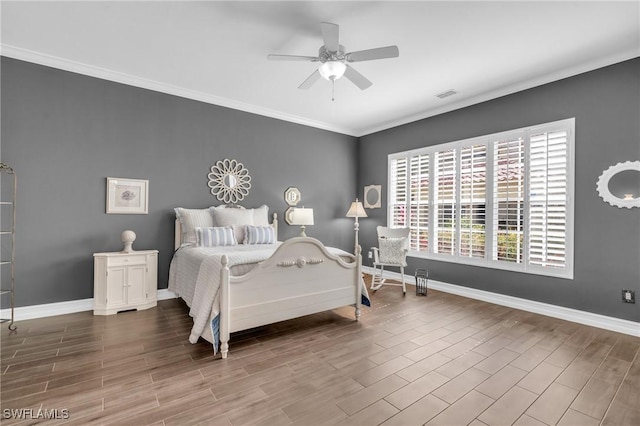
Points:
(126, 260)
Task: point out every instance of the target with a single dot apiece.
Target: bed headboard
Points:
(178, 230)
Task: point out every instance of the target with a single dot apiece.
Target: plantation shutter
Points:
(419, 203)
(473, 168)
(509, 199)
(398, 193)
(503, 201)
(445, 176)
(548, 166)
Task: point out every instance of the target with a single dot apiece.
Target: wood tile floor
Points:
(439, 360)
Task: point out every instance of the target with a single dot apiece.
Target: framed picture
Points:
(127, 196)
(372, 196)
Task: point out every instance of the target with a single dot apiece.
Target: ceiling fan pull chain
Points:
(333, 89)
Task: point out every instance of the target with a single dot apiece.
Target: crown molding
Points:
(131, 80)
(507, 90)
(144, 83)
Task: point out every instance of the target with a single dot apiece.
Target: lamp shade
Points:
(332, 70)
(302, 216)
(356, 210)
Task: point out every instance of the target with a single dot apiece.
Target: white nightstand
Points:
(124, 281)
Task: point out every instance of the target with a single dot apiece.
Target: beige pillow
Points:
(190, 219)
(235, 217)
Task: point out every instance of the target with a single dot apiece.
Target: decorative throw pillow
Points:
(234, 217)
(259, 235)
(190, 219)
(215, 236)
(392, 250)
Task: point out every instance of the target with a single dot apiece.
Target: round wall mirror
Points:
(229, 181)
(372, 196)
(625, 184)
(619, 185)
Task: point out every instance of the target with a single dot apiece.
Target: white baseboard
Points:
(62, 308)
(166, 294)
(587, 318)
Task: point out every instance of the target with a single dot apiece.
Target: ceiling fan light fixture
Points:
(332, 70)
(333, 59)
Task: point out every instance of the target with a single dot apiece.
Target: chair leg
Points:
(404, 287)
(376, 282)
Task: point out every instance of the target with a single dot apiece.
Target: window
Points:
(502, 201)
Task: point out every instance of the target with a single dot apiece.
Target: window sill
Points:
(565, 273)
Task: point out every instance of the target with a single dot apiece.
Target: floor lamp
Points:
(356, 210)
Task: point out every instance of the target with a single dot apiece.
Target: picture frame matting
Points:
(127, 196)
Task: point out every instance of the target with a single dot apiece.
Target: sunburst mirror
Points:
(229, 181)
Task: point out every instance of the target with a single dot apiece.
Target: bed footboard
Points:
(301, 277)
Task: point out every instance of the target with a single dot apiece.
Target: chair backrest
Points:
(391, 249)
(386, 232)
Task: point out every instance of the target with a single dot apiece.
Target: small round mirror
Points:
(625, 184)
(372, 195)
(619, 185)
(230, 181)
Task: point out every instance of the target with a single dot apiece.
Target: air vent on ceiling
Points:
(446, 94)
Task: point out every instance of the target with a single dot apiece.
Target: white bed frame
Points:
(300, 278)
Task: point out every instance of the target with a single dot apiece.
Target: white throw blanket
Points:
(195, 275)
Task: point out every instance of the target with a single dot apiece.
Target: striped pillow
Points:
(259, 235)
(215, 236)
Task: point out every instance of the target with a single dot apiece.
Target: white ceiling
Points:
(216, 51)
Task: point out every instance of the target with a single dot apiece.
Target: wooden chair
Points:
(393, 245)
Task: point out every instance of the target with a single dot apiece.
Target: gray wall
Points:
(606, 105)
(64, 133)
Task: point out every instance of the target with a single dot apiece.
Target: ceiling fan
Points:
(334, 60)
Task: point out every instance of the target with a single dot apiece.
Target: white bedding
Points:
(185, 265)
(194, 275)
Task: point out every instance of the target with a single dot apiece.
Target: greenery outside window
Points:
(502, 201)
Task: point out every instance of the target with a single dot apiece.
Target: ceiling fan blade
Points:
(273, 57)
(357, 78)
(310, 80)
(330, 34)
(373, 54)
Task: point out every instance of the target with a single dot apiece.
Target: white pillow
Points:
(237, 218)
(221, 206)
(261, 215)
(190, 219)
